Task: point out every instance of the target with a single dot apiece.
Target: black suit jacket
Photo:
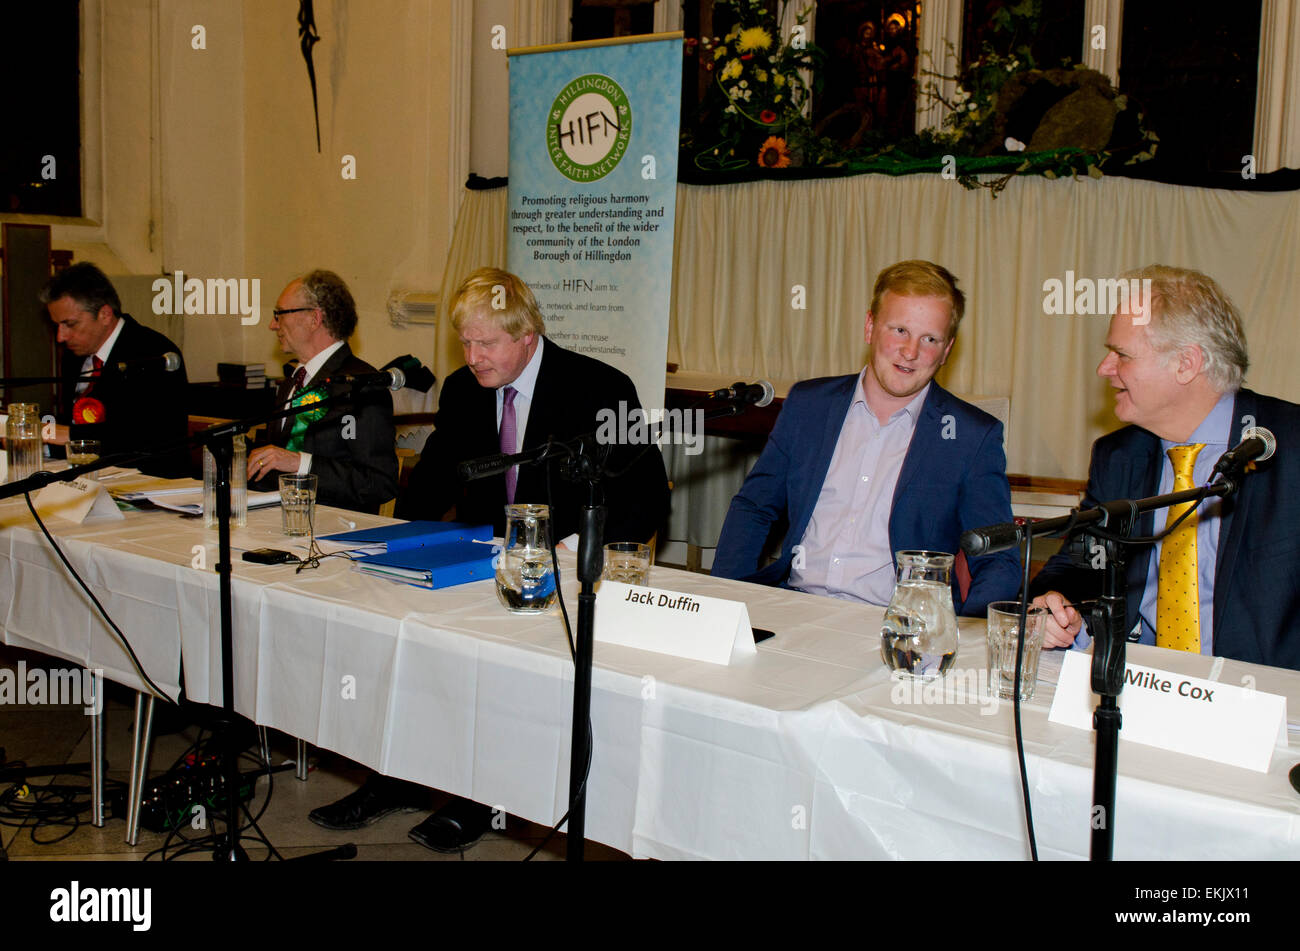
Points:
(571, 390)
(1257, 571)
(144, 409)
(353, 445)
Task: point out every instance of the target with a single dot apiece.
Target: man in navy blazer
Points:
(881, 461)
(1176, 365)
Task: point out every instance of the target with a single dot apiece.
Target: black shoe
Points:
(455, 827)
(377, 797)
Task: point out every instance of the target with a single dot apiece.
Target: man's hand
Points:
(1063, 621)
(59, 437)
(268, 459)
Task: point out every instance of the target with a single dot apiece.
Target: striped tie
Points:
(1178, 604)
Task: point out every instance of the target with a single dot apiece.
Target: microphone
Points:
(1257, 444)
(418, 376)
(390, 379)
(760, 393)
(980, 541)
(481, 468)
(167, 362)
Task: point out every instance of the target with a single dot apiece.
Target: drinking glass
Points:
(297, 504)
(1003, 635)
(628, 562)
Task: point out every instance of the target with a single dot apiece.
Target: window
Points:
(1192, 67)
(40, 150)
(870, 76)
(598, 19)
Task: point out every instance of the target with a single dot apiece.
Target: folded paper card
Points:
(669, 622)
(434, 566)
(76, 501)
(1206, 718)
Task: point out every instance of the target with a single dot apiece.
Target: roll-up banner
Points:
(593, 188)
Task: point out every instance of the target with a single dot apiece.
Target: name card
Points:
(76, 501)
(669, 622)
(1215, 721)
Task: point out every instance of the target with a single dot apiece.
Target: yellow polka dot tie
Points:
(1178, 605)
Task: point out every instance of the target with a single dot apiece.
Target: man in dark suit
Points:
(880, 461)
(557, 394)
(1227, 581)
(139, 409)
(516, 390)
(349, 445)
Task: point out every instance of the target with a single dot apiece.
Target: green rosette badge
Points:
(588, 128)
(305, 419)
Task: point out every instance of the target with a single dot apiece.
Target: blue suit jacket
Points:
(1257, 571)
(945, 487)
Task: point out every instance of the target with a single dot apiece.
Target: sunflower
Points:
(754, 38)
(774, 153)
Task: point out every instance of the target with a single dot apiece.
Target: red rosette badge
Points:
(88, 410)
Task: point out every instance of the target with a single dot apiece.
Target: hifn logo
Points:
(588, 128)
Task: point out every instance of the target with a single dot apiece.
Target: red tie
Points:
(96, 367)
(299, 378)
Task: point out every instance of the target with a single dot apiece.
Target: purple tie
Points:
(508, 444)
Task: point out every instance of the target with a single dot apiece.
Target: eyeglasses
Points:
(289, 310)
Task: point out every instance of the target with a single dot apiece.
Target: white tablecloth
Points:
(802, 751)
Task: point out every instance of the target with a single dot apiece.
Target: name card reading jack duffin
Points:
(669, 622)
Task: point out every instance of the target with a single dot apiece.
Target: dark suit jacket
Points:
(143, 408)
(1257, 571)
(355, 462)
(571, 390)
(945, 487)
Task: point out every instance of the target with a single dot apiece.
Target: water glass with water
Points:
(628, 562)
(238, 486)
(1003, 637)
(23, 440)
(297, 504)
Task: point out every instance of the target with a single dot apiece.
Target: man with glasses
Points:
(349, 445)
(141, 408)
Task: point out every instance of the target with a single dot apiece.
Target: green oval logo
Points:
(588, 128)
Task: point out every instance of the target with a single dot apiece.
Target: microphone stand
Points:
(580, 465)
(219, 440)
(1109, 525)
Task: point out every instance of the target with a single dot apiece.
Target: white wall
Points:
(209, 161)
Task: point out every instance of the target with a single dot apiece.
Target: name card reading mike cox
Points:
(670, 622)
(1205, 718)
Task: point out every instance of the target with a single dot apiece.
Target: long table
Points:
(805, 751)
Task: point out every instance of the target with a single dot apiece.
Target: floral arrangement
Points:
(759, 77)
(1075, 128)
(1007, 117)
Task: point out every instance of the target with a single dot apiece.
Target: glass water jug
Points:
(525, 577)
(919, 636)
